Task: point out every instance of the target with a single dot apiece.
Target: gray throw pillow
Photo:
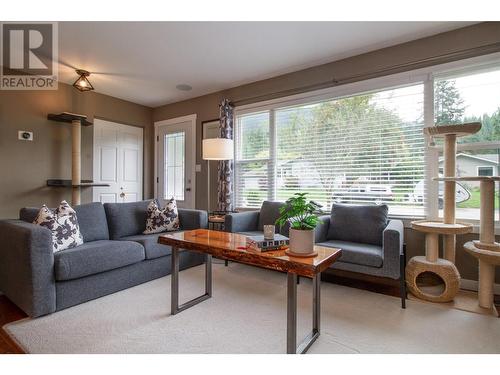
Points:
(363, 224)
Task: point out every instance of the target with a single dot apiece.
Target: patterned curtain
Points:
(225, 169)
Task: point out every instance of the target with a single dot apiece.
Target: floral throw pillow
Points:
(162, 219)
(63, 224)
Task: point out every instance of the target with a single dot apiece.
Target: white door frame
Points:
(100, 122)
(173, 121)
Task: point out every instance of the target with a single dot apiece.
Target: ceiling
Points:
(143, 62)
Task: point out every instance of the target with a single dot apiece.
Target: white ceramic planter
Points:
(301, 241)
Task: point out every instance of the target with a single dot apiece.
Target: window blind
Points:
(363, 149)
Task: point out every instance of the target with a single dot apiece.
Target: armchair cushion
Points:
(357, 253)
(246, 221)
(269, 213)
(361, 224)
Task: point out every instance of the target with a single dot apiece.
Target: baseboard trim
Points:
(473, 285)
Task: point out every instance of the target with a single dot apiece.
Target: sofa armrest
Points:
(27, 266)
(242, 221)
(192, 219)
(321, 230)
(392, 243)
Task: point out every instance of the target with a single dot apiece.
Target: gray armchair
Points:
(370, 243)
(251, 223)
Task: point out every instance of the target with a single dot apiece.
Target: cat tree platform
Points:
(439, 227)
(459, 130)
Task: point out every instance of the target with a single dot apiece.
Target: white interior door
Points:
(117, 162)
(176, 161)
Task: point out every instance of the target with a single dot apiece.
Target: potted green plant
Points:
(301, 214)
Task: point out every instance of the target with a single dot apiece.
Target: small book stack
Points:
(261, 244)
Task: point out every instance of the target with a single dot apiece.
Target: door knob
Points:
(188, 189)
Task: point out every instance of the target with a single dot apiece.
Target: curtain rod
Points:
(433, 60)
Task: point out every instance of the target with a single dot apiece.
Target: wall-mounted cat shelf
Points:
(68, 183)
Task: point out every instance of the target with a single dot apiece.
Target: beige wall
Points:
(25, 166)
(206, 107)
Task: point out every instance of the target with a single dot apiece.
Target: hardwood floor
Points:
(9, 313)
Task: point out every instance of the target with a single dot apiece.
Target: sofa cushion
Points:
(357, 253)
(126, 219)
(91, 219)
(363, 224)
(95, 257)
(152, 247)
(269, 213)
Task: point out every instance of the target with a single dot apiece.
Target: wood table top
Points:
(232, 246)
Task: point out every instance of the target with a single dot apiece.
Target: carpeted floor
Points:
(247, 314)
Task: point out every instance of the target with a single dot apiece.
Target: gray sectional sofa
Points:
(115, 256)
(371, 244)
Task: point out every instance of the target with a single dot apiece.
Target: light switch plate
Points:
(24, 135)
(198, 168)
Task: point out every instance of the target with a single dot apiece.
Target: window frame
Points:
(425, 76)
(486, 166)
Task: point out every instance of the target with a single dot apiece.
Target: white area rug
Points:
(247, 314)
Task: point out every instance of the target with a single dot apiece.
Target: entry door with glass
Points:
(176, 158)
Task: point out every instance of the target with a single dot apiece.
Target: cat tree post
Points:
(76, 157)
(449, 152)
(487, 207)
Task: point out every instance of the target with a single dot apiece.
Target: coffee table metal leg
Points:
(291, 314)
(291, 342)
(175, 307)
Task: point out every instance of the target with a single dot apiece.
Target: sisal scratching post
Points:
(76, 156)
(487, 207)
(486, 281)
(432, 247)
(449, 240)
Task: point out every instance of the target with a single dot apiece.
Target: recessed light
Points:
(183, 87)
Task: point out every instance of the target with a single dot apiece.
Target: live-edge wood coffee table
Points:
(231, 246)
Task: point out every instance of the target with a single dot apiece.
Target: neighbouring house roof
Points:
(484, 158)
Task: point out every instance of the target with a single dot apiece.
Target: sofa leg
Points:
(402, 278)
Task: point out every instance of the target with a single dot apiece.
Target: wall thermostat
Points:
(24, 135)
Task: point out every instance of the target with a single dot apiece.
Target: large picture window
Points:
(367, 146)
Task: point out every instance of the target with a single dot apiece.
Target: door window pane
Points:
(174, 144)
